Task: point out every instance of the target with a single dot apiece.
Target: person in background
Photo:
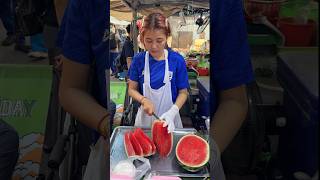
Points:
(38, 50)
(9, 150)
(7, 18)
(114, 47)
(127, 51)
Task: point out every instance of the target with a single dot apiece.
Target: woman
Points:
(158, 77)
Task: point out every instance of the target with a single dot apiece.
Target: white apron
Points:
(161, 98)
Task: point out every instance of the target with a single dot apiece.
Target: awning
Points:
(122, 9)
(118, 22)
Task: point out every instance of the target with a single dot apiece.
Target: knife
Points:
(155, 115)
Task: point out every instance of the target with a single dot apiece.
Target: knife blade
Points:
(155, 115)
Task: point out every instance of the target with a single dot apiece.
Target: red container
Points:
(192, 62)
(270, 9)
(297, 34)
(203, 71)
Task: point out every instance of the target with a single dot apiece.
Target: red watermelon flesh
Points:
(128, 145)
(136, 145)
(145, 145)
(140, 131)
(161, 138)
(192, 152)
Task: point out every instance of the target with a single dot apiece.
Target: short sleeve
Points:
(134, 71)
(76, 44)
(182, 81)
(231, 55)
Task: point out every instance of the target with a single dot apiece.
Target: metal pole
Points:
(135, 32)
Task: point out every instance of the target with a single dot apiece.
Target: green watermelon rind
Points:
(189, 167)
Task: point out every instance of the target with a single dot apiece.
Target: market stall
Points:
(189, 23)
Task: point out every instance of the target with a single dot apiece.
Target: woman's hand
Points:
(147, 106)
(145, 102)
(169, 117)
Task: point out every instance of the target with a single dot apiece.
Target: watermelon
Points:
(140, 131)
(192, 152)
(161, 138)
(144, 143)
(128, 145)
(136, 145)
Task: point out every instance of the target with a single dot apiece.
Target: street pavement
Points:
(9, 56)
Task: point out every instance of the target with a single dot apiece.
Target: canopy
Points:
(130, 9)
(122, 9)
(118, 22)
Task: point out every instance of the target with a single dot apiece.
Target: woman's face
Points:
(154, 41)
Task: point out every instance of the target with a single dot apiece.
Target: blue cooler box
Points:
(298, 144)
(203, 84)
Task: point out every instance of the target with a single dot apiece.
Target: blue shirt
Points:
(230, 55)
(83, 39)
(177, 72)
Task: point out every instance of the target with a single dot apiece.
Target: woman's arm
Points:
(182, 97)
(135, 94)
(133, 91)
(60, 6)
(75, 99)
(231, 112)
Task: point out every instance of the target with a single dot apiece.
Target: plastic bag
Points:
(97, 164)
(216, 168)
(140, 166)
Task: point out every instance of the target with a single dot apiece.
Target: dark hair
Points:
(155, 21)
(128, 28)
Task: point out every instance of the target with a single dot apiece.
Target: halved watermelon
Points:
(128, 145)
(161, 138)
(192, 152)
(140, 131)
(144, 143)
(136, 145)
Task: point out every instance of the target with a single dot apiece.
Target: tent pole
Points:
(135, 31)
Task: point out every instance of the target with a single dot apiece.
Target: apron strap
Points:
(166, 78)
(146, 68)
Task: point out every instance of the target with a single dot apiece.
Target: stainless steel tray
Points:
(159, 166)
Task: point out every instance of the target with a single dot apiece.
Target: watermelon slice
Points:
(145, 145)
(161, 138)
(128, 145)
(136, 145)
(140, 131)
(192, 152)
